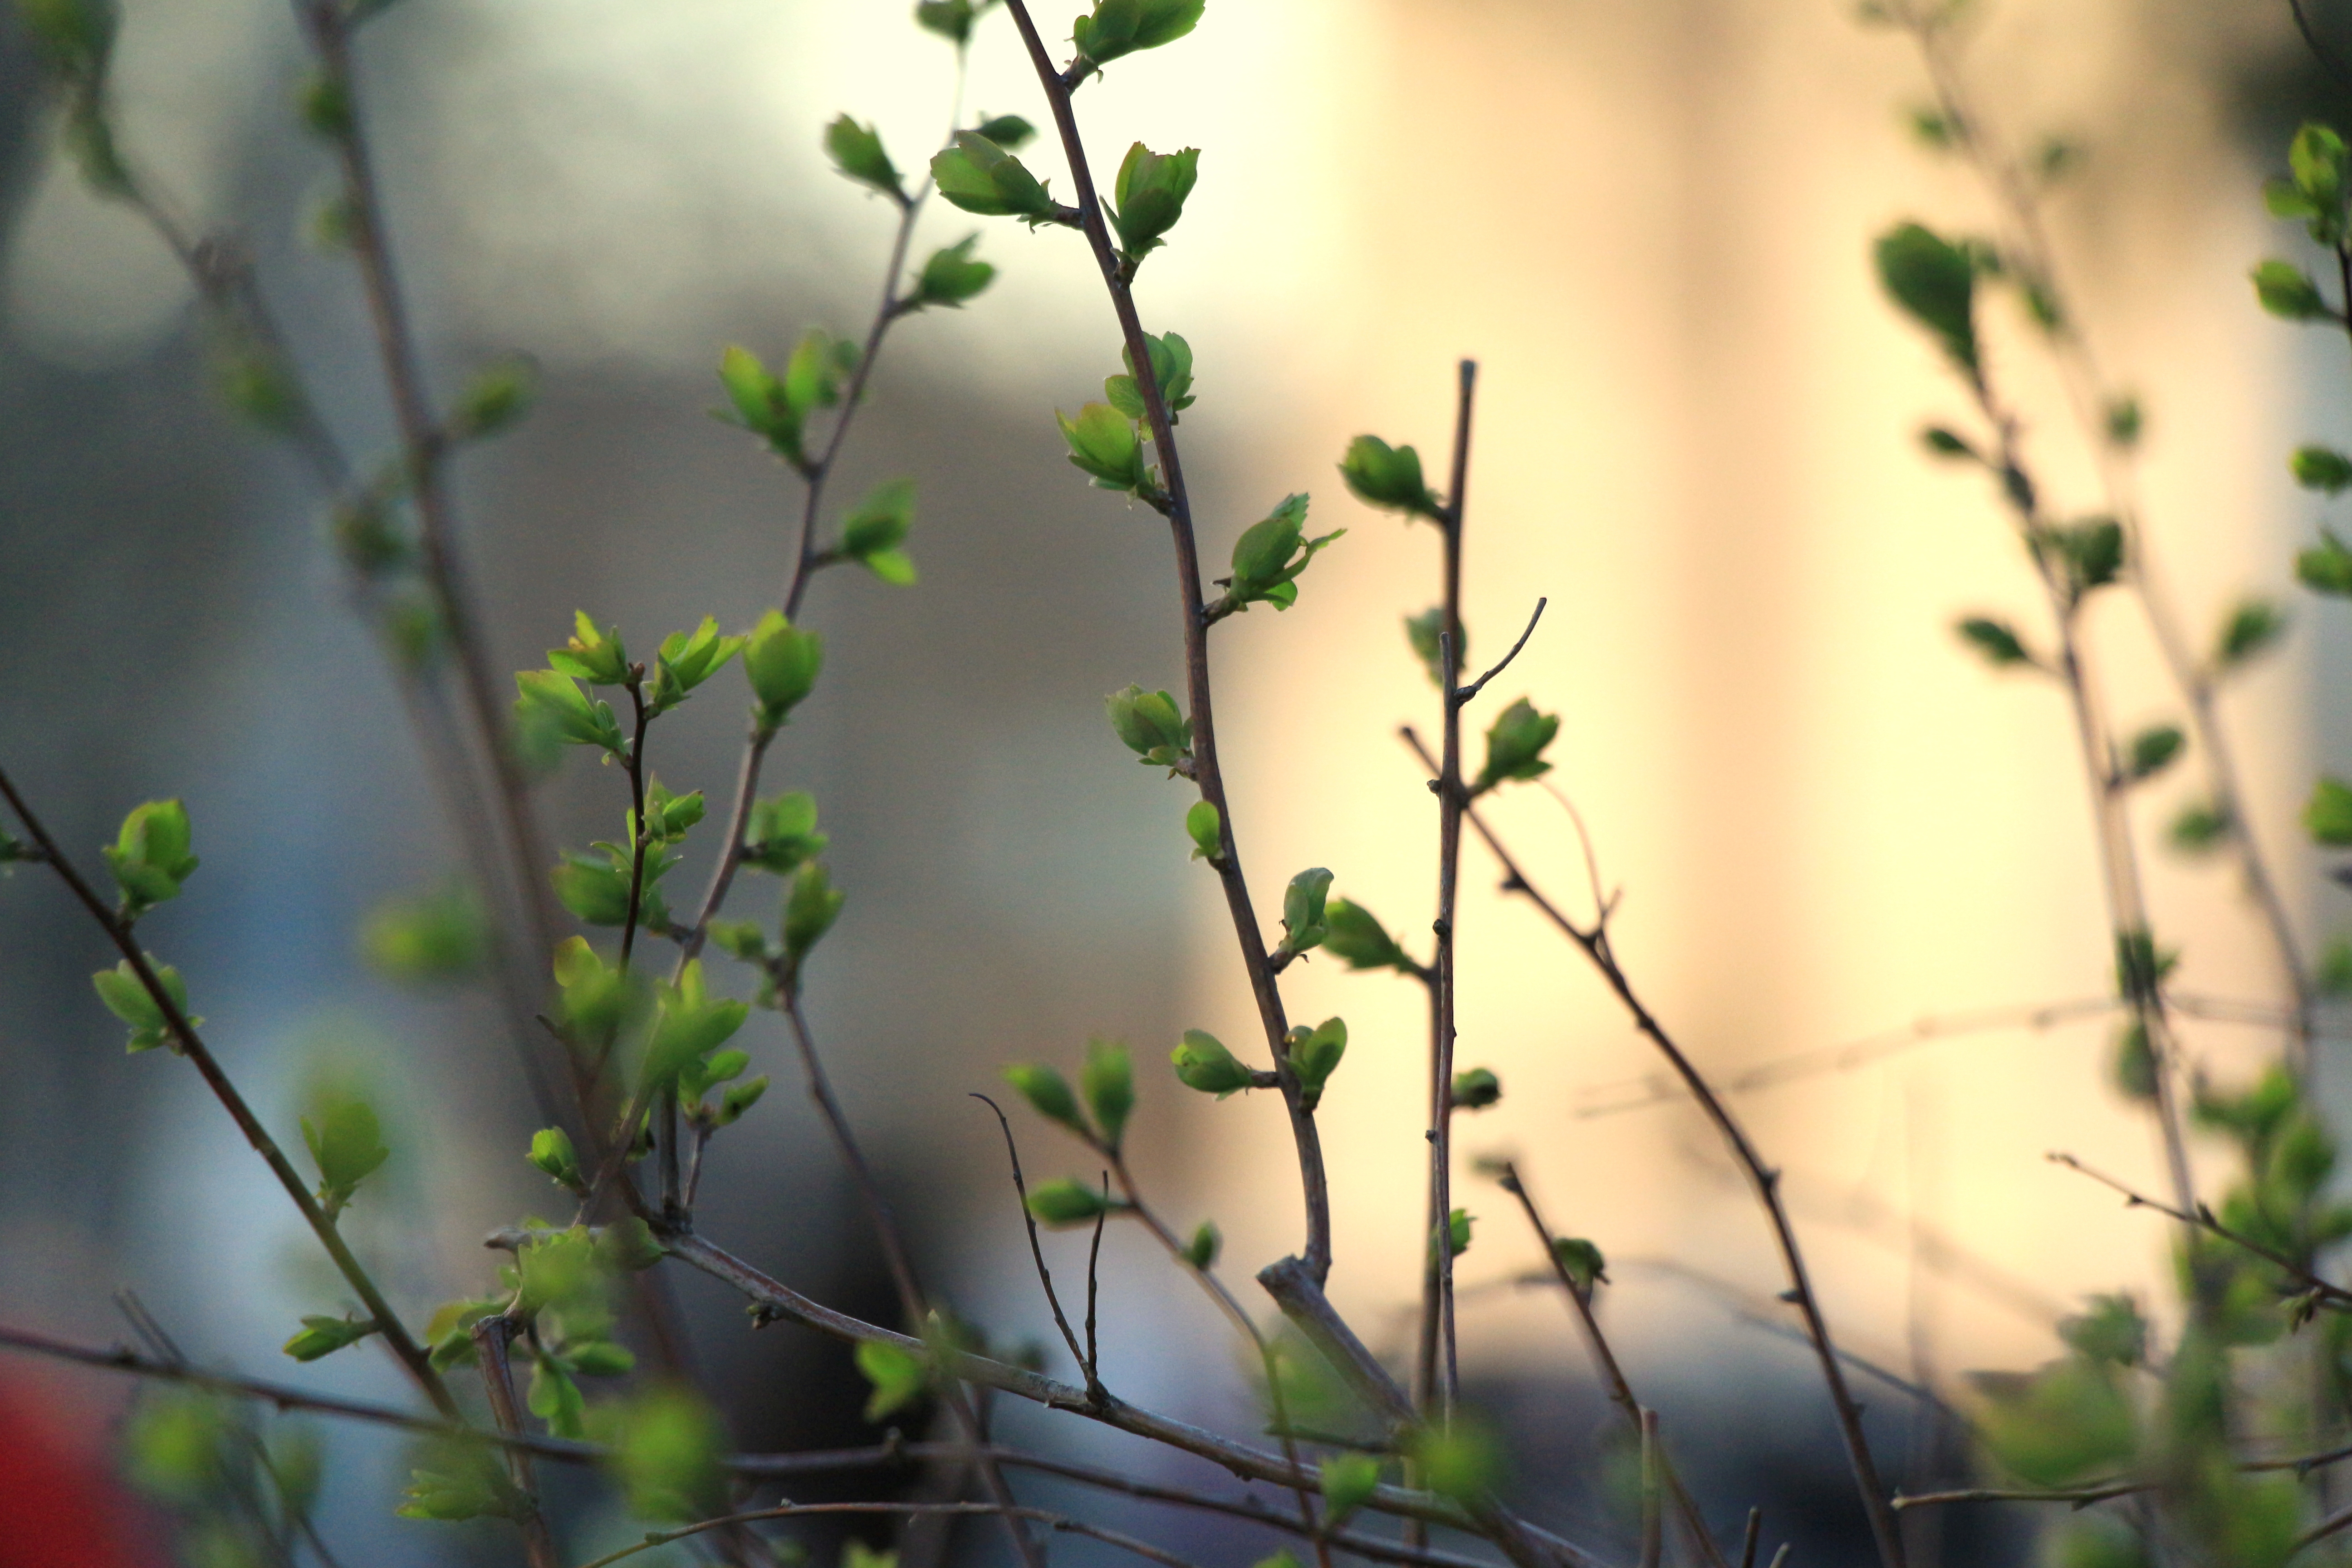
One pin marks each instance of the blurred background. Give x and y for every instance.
(1649, 223)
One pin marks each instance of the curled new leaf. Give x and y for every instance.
(1386, 476)
(1268, 558)
(782, 663)
(1303, 909)
(1515, 744)
(150, 857)
(1151, 726)
(1108, 1079)
(598, 657)
(872, 535)
(952, 275)
(980, 176)
(809, 910)
(1202, 1250)
(1151, 192)
(1171, 371)
(1048, 1094)
(1118, 27)
(1063, 1200)
(2286, 291)
(347, 1146)
(1202, 1063)
(1476, 1089)
(1354, 935)
(686, 660)
(1106, 446)
(1934, 282)
(1315, 1056)
(323, 1336)
(127, 997)
(1205, 827)
(856, 151)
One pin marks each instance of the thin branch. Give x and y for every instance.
(1653, 1535)
(1755, 1533)
(2202, 1218)
(190, 1045)
(493, 1335)
(798, 1510)
(1207, 773)
(1763, 1180)
(1037, 1250)
(2079, 1497)
(1463, 697)
(1094, 1262)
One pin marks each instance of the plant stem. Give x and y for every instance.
(1762, 1179)
(493, 1336)
(1000, 1511)
(1207, 772)
(192, 1046)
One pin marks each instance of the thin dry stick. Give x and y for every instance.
(1604, 1357)
(1765, 1182)
(2087, 391)
(1037, 1250)
(800, 1511)
(1207, 772)
(1653, 1535)
(493, 1335)
(2202, 1218)
(192, 1046)
(1439, 1382)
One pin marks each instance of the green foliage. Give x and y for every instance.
(1049, 1095)
(2327, 568)
(1202, 1062)
(1462, 1461)
(2252, 628)
(1268, 558)
(1118, 27)
(594, 1001)
(780, 835)
(689, 1023)
(1933, 281)
(2321, 469)
(1515, 745)
(872, 535)
(2152, 750)
(1150, 194)
(2088, 554)
(1315, 1056)
(783, 662)
(1476, 1089)
(686, 660)
(1354, 935)
(2067, 1422)
(981, 177)
(150, 857)
(553, 1155)
(2328, 815)
(1149, 724)
(952, 275)
(1582, 1261)
(2286, 291)
(1066, 1202)
(1348, 1479)
(127, 997)
(777, 408)
(1942, 442)
(810, 907)
(455, 1479)
(1108, 1079)
(322, 1336)
(1009, 131)
(1172, 371)
(2316, 188)
(1389, 477)
(1202, 1250)
(1106, 446)
(72, 38)
(427, 938)
(668, 1447)
(1457, 1232)
(1205, 827)
(595, 888)
(1426, 634)
(952, 19)
(2198, 827)
(857, 152)
(496, 400)
(1996, 641)
(1303, 910)
(553, 705)
(2112, 1330)
(898, 1377)
(347, 1146)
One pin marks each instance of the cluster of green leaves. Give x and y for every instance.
(232, 1487)
(777, 408)
(1267, 560)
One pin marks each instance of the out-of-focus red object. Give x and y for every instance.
(60, 1505)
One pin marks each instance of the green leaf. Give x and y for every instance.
(1315, 1056)
(552, 703)
(1462, 1461)
(598, 657)
(689, 1026)
(1476, 1089)
(1107, 1081)
(128, 998)
(2153, 750)
(1202, 1250)
(1349, 1481)
(738, 1099)
(2327, 567)
(348, 1147)
(898, 1377)
(1354, 935)
(1457, 1231)
(1048, 1094)
(950, 19)
(760, 405)
(809, 910)
(872, 533)
(2111, 1330)
(1303, 909)
(1205, 826)
(2068, 1421)
(1389, 477)
(2332, 975)
(1171, 359)
(150, 857)
(980, 176)
(457, 1479)
(496, 400)
(1933, 281)
(1996, 641)
(553, 1155)
(427, 938)
(596, 889)
(1202, 1063)
(594, 999)
(2091, 551)
(1582, 1261)
(1106, 446)
(814, 375)
(2286, 291)
(1009, 131)
(600, 1358)
(72, 38)
(687, 659)
(2321, 469)
(856, 151)
(1515, 744)
(325, 1336)
(1426, 633)
(2253, 626)
(781, 835)
(667, 1450)
(2200, 828)
(1063, 1201)
(1150, 191)
(1118, 28)
(2328, 817)
(2124, 421)
(951, 275)
(1151, 726)
(1269, 556)
(1947, 443)
(782, 663)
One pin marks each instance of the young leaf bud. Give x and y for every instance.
(1063, 1201)
(1048, 1094)
(809, 910)
(1151, 192)
(1120, 28)
(2286, 291)
(1315, 1056)
(1476, 1089)
(1204, 826)
(552, 1153)
(1354, 935)
(128, 998)
(1150, 725)
(952, 275)
(1303, 909)
(856, 151)
(347, 1146)
(1108, 1082)
(1386, 476)
(1202, 1063)
(1582, 1261)
(1515, 744)
(1202, 1250)
(980, 176)
(1348, 1481)
(324, 1336)
(1105, 447)
(150, 857)
(871, 534)
(1934, 282)
(782, 663)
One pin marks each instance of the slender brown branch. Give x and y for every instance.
(1653, 1534)
(1470, 691)
(1763, 1180)
(1037, 1250)
(190, 1045)
(1207, 772)
(493, 1336)
(2202, 1218)
(2079, 1497)
(798, 1510)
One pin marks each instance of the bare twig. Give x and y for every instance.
(2202, 1218)
(493, 1335)
(1653, 1535)
(1763, 1179)
(1037, 1250)
(798, 1510)
(1463, 696)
